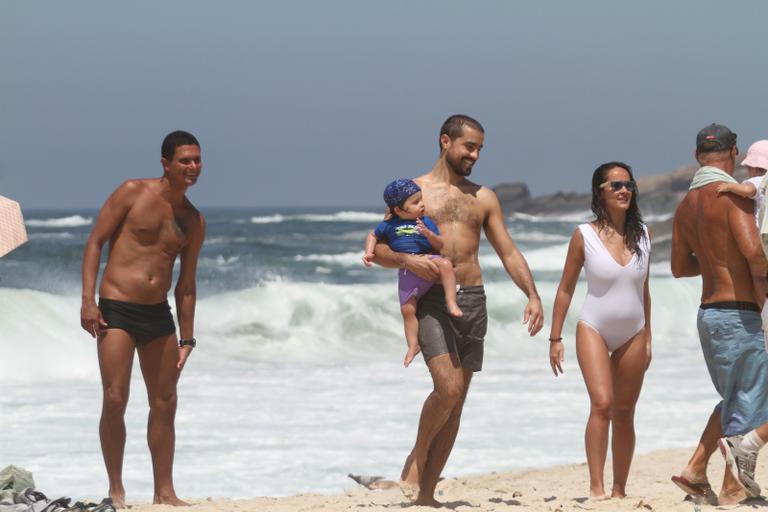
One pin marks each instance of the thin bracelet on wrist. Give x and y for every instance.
(555, 340)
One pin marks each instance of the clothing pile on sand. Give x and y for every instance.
(18, 494)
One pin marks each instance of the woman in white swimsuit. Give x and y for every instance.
(613, 335)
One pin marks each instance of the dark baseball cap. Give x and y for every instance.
(715, 137)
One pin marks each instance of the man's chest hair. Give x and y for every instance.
(455, 207)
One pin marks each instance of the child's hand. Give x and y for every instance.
(722, 189)
(368, 259)
(423, 229)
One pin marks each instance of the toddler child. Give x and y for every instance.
(406, 229)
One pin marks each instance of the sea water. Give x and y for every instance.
(297, 379)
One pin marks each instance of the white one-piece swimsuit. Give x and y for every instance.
(614, 306)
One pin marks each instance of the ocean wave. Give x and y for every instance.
(346, 259)
(546, 258)
(311, 323)
(342, 216)
(661, 217)
(570, 217)
(71, 221)
(577, 217)
(536, 236)
(550, 258)
(44, 236)
(268, 219)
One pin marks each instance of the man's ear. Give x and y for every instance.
(445, 141)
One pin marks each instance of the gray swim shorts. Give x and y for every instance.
(440, 333)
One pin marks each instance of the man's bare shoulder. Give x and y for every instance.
(428, 181)
(128, 192)
(687, 203)
(481, 191)
(486, 196)
(132, 186)
(137, 186)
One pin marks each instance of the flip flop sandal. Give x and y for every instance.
(30, 496)
(697, 490)
(105, 506)
(57, 505)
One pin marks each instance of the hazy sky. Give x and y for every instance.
(323, 102)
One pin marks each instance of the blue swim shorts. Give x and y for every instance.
(734, 350)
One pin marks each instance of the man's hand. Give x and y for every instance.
(533, 316)
(368, 259)
(422, 266)
(183, 356)
(556, 356)
(91, 320)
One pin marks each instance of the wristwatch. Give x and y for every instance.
(192, 342)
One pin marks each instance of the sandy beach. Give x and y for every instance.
(560, 488)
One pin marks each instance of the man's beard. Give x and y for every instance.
(459, 167)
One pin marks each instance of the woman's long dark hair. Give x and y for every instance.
(633, 224)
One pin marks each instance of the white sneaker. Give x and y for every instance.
(741, 463)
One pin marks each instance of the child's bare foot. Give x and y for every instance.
(412, 352)
(453, 309)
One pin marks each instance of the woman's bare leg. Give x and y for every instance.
(595, 365)
(628, 364)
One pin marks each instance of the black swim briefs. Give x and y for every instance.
(441, 333)
(145, 322)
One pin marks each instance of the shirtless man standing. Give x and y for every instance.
(716, 237)
(148, 222)
(453, 347)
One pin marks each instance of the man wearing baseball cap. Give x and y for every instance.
(715, 236)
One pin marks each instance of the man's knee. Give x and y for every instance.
(451, 393)
(115, 399)
(163, 403)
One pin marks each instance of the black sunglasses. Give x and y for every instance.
(618, 185)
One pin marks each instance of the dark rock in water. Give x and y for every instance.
(514, 196)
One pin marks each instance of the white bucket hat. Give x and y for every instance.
(757, 155)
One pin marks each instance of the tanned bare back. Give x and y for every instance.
(716, 237)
